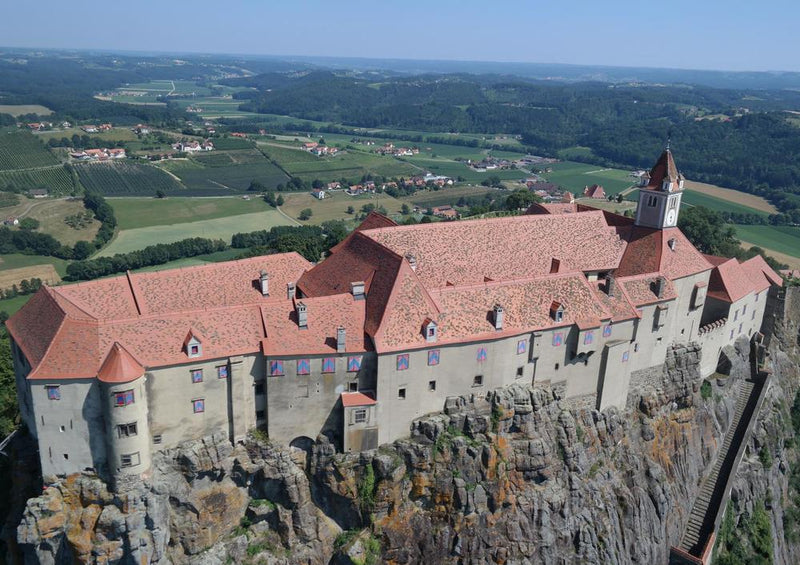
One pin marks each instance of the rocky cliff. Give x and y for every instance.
(513, 476)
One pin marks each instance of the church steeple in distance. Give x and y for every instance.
(660, 194)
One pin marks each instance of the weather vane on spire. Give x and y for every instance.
(669, 137)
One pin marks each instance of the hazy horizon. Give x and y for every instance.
(712, 36)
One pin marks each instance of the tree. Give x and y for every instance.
(82, 250)
(305, 214)
(29, 224)
(350, 210)
(279, 201)
(708, 232)
(405, 210)
(269, 198)
(160, 194)
(256, 186)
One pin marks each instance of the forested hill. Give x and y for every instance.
(738, 138)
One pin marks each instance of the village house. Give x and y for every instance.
(38, 192)
(334, 185)
(11, 221)
(90, 129)
(141, 129)
(193, 146)
(318, 193)
(594, 191)
(447, 212)
(383, 331)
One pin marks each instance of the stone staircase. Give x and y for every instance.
(706, 507)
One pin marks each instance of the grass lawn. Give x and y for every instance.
(217, 228)
(334, 207)
(135, 213)
(783, 239)
(19, 109)
(18, 260)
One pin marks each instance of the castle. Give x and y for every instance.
(396, 320)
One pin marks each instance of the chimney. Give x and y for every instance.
(611, 285)
(412, 260)
(357, 288)
(672, 243)
(264, 283)
(555, 264)
(661, 284)
(290, 290)
(302, 315)
(340, 339)
(498, 317)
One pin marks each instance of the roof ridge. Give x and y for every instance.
(210, 265)
(497, 283)
(72, 302)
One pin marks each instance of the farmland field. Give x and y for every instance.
(125, 178)
(735, 196)
(575, 176)
(20, 109)
(134, 213)
(11, 305)
(17, 260)
(455, 169)
(218, 228)
(286, 154)
(51, 214)
(783, 239)
(21, 150)
(56, 179)
(351, 165)
(693, 198)
(334, 207)
(428, 198)
(116, 134)
(45, 272)
(231, 178)
(227, 143)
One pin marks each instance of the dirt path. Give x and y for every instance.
(287, 216)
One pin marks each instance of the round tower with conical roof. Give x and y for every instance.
(122, 383)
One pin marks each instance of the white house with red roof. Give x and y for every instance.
(396, 320)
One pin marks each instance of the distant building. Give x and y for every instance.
(594, 191)
(38, 192)
(318, 193)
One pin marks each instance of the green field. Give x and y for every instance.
(694, 198)
(22, 150)
(17, 260)
(231, 178)
(125, 178)
(334, 207)
(575, 176)
(351, 165)
(287, 155)
(227, 143)
(20, 109)
(783, 239)
(11, 305)
(135, 213)
(116, 134)
(56, 179)
(218, 228)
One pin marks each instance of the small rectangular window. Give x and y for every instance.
(329, 365)
(519, 371)
(740, 328)
(195, 350)
(157, 439)
(402, 362)
(477, 380)
(744, 309)
(401, 393)
(197, 375)
(736, 315)
(753, 315)
(123, 398)
(222, 372)
(354, 363)
(276, 368)
(304, 366)
(129, 459)
(731, 334)
(352, 387)
(433, 357)
(126, 430)
(53, 392)
(198, 405)
(360, 416)
(431, 385)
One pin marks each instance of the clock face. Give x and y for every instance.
(671, 217)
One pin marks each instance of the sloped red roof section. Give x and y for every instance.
(664, 168)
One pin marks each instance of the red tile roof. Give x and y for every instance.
(552, 208)
(503, 248)
(757, 265)
(325, 315)
(731, 281)
(664, 167)
(641, 289)
(648, 251)
(356, 399)
(594, 191)
(120, 366)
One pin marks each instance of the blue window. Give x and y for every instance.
(329, 365)
(354, 363)
(197, 375)
(433, 357)
(303, 366)
(123, 398)
(222, 372)
(558, 339)
(198, 405)
(53, 392)
(402, 362)
(607, 331)
(482, 355)
(588, 339)
(625, 355)
(276, 368)
(522, 346)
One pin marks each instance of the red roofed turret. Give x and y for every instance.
(664, 175)
(120, 366)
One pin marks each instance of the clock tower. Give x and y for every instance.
(660, 199)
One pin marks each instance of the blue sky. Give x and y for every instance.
(699, 34)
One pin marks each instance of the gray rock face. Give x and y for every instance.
(512, 476)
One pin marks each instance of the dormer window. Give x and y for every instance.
(557, 311)
(430, 330)
(194, 348)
